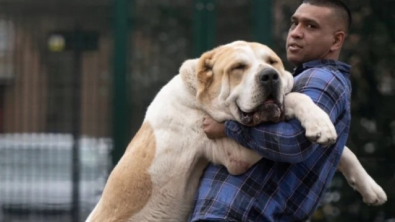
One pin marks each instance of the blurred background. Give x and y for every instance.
(76, 77)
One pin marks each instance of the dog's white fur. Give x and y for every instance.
(158, 175)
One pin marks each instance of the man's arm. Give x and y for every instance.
(286, 141)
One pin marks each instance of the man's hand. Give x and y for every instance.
(212, 128)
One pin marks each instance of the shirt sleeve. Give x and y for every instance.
(286, 141)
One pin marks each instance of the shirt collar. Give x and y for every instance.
(341, 66)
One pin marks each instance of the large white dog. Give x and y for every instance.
(158, 175)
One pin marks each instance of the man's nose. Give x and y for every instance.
(296, 32)
(268, 77)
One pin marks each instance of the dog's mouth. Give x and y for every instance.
(271, 110)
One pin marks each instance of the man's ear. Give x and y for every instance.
(205, 73)
(339, 38)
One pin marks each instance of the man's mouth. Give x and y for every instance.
(294, 47)
(269, 110)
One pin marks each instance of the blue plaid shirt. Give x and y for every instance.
(288, 183)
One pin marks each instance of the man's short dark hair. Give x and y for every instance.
(340, 8)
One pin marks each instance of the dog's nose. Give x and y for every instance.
(268, 76)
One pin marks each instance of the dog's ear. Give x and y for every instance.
(188, 68)
(289, 81)
(188, 74)
(205, 74)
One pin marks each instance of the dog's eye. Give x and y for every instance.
(272, 61)
(239, 66)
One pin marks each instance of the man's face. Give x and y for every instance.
(311, 34)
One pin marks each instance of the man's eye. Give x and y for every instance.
(310, 26)
(293, 24)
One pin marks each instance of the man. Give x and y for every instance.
(289, 182)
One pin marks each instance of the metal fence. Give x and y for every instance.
(37, 178)
(55, 140)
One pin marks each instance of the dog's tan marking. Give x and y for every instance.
(209, 84)
(205, 74)
(129, 186)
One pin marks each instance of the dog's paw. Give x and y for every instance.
(319, 128)
(371, 192)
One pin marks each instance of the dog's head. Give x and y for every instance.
(241, 81)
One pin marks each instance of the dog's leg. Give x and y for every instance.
(319, 127)
(359, 179)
